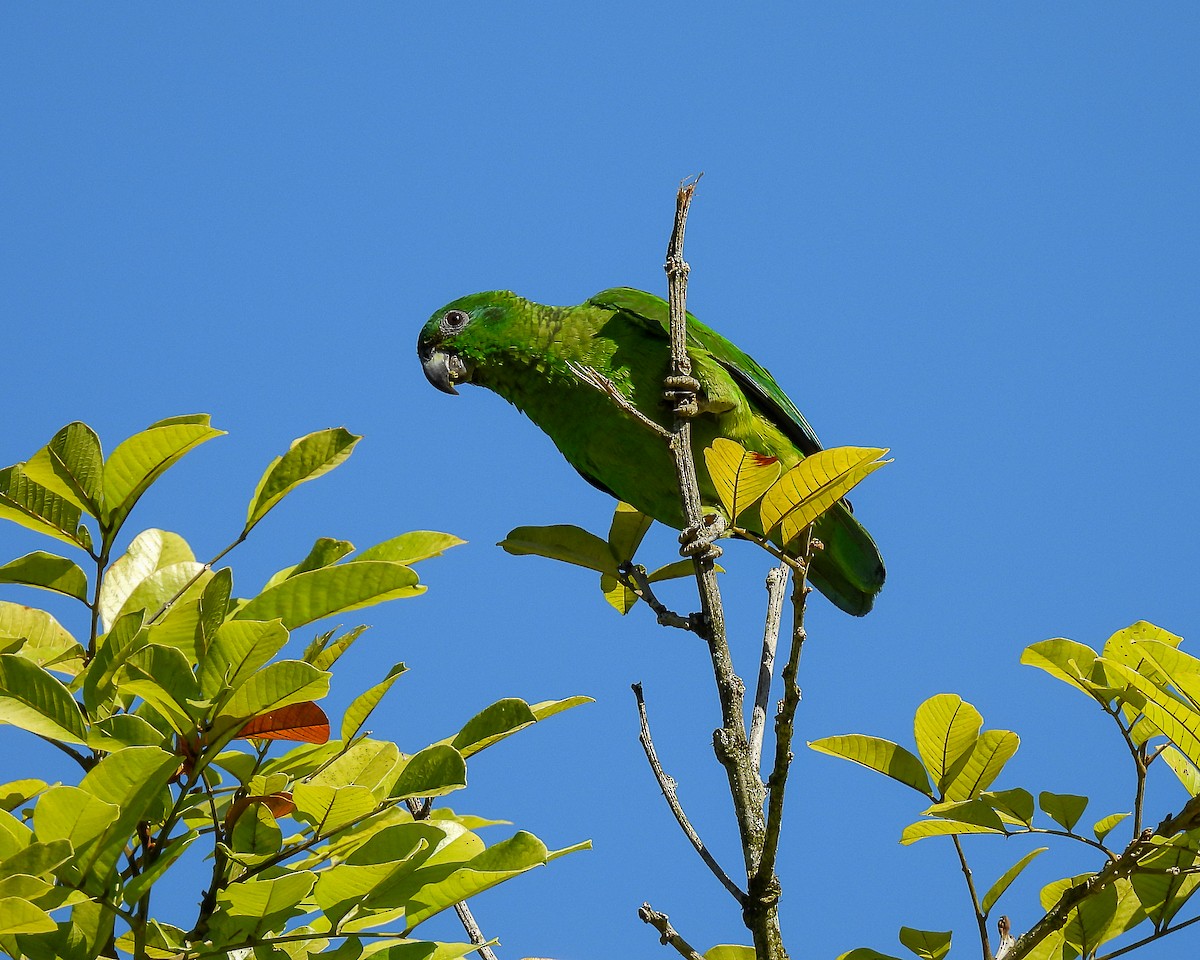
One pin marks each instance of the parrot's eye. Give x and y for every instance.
(455, 319)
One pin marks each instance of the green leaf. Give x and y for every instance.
(33, 506)
(923, 829)
(162, 676)
(251, 908)
(19, 916)
(323, 654)
(1165, 884)
(1104, 827)
(814, 485)
(277, 685)
(1016, 803)
(1183, 768)
(256, 833)
(1064, 660)
(411, 547)
(978, 812)
(361, 707)
(502, 719)
(1064, 809)
(1175, 719)
(988, 756)
(548, 708)
(563, 542)
(626, 531)
(739, 476)
(78, 817)
(926, 944)
(332, 590)
(134, 780)
(42, 640)
(432, 772)
(142, 459)
(123, 730)
(999, 888)
(729, 951)
(307, 458)
(151, 550)
(325, 552)
(327, 808)
(71, 466)
(36, 859)
(506, 859)
(16, 792)
(946, 729)
(48, 572)
(237, 650)
(369, 763)
(880, 755)
(33, 700)
(865, 953)
(112, 650)
(619, 596)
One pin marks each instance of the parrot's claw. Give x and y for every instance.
(699, 540)
(681, 393)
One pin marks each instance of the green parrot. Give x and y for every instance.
(538, 357)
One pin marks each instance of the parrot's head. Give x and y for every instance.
(463, 335)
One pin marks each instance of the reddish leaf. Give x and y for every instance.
(280, 804)
(303, 722)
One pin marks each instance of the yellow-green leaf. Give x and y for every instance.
(740, 476)
(946, 729)
(880, 755)
(564, 542)
(308, 458)
(926, 944)
(814, 485)
(998, 888)
(143, 458)
(47, 572)
(987, 758)
(331, 590)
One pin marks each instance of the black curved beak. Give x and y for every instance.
(443, 369)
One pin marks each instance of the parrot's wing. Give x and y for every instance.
(654, 315)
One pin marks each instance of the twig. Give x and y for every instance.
(776, 581)
(667, 785)
(980, 919)
(667, 935)
(785, 725)
(1145, 940)
(420, 811)
(635, 579)
(593, 378)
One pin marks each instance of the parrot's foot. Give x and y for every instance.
(681, 394)
(699, 540)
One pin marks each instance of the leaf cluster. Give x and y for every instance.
(1150, 689)
(171, 703)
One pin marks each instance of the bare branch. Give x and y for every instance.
(634, 577)
(667, 935)
(776, 582)
(667, 785)
(980, 919)
(785, 725)
(760, 913)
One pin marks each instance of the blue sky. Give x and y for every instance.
(965, 232)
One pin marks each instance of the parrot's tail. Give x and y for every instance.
(849, 570)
